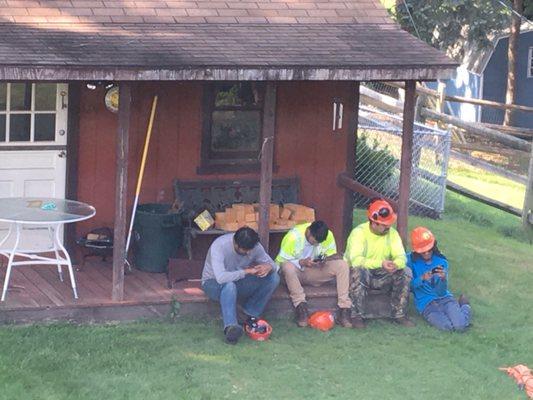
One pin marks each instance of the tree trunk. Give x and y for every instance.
(518, 7)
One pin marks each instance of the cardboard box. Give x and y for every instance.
(285, 213)
(253, 225)
(204, 220)
(231, 215)
(230, 226)
(240, 212)
(250, 217)
(274, 211)
(248, 208)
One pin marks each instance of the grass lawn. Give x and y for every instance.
(487, 184)
(490, 260)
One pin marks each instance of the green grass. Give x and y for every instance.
(188, 360)
(487, 184)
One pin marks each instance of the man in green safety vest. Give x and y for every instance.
(375, 252)
(308, 256)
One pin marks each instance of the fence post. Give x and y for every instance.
(406, 160)
(527, 211)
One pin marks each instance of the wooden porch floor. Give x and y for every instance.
(37, 295)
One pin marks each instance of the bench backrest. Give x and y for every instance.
(214, 196)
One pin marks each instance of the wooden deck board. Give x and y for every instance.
(43, 297)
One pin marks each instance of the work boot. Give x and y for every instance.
(358, 323)
(342, 317)
(404, 321)
(463, 300)
(301, 314)
(232, 334)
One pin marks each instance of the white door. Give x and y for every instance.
(33, 138)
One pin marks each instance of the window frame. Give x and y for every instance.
(213, 165)
(60, 112)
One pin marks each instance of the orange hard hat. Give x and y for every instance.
(321, 320)
(262, 333)
(422, 239)
(381, 212)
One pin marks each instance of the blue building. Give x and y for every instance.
(483, 75)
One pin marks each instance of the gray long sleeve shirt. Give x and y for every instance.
(224, 264)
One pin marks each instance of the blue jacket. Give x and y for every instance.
(427, 291)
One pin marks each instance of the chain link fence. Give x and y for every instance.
(378, 153)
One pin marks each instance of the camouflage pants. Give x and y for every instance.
(362, 279)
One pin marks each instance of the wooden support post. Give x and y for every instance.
(406, 160)
(527, 211)
(267, 155)
(351, 142)
(121, 193)
(73, 141)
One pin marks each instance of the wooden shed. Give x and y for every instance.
(291, 63)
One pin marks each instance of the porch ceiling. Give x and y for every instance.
(214, 51)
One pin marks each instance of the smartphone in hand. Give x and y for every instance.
(320, 258)
(437, 269)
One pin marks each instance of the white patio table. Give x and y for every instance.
(48, 213)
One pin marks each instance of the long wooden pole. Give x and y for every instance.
(141, 170)
(406, 157)
(267, 155)
(460, 99)
(121, 191)
(512, 50)
(527, 211)
(508, 140)
(351, 140)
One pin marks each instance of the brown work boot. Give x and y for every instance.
(404, 321)
(342, 317)
(301, 314)
(358, 323)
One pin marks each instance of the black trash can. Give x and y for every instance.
(157, 236)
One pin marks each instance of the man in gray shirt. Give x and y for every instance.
(238, 267)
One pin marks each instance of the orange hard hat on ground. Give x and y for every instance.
(381, 211)
(321, 320)
(260, 333)
(422, 239)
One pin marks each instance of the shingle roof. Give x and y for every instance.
(198, 11)
(232, 39)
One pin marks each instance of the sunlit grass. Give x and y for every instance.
(487, 184)
(188, 359)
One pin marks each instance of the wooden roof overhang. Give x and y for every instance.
(133, 52)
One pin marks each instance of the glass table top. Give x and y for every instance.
(43, 210)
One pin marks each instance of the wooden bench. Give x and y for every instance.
(196, 196)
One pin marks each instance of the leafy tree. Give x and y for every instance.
(451, 25)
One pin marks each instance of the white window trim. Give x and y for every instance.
(530, 63)
(61, 113)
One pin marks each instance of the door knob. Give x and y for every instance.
(62, 154)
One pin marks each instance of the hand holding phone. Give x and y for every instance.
(437, 269)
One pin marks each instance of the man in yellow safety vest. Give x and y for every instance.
(308, 255)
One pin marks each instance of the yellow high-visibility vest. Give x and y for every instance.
(293, 244)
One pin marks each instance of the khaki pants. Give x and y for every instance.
(336, 269)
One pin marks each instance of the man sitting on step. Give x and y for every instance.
(376, 254)
(238, 268)
(308, 255)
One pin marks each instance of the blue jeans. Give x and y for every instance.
(251, 291)
(446, 314)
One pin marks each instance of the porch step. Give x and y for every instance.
(193, 301)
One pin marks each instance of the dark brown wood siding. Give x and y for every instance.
(305, 145)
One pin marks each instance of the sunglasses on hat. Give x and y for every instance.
(382, 212)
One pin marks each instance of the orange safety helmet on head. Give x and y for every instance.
(261, 334)
(321, 320)
(422, 239)
(381, 212)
